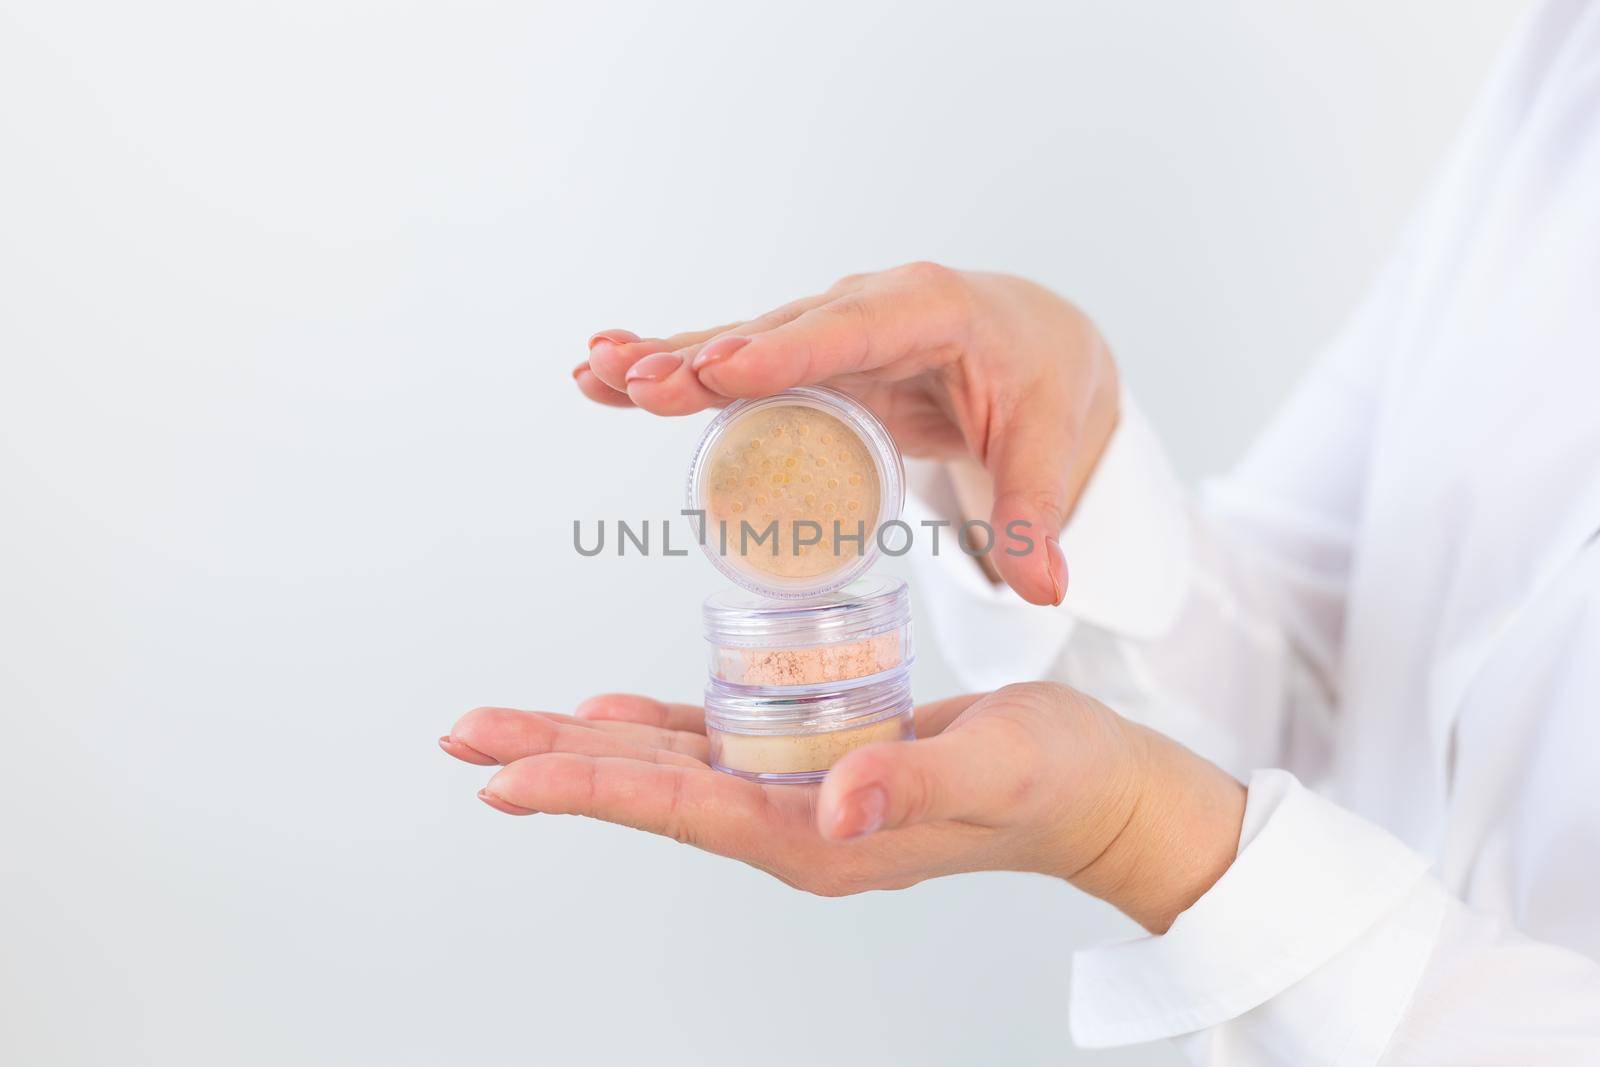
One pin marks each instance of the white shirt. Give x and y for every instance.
(1394, 605)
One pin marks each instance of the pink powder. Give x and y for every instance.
(810, 666)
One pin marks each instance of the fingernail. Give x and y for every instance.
(463, 751)
(654, 368)
(861, 813)
(501, 804)
(577, 372)
(1058, 568)
(718, 350)
(616, 337)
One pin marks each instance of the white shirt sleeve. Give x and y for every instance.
(1327, 943)
(1217, 621)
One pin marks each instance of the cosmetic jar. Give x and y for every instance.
(857, 632)
(786, 735)
(791, 490)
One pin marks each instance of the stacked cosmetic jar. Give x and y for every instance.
(810, 657)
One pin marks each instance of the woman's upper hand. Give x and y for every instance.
(957, 364)
(1034, 777)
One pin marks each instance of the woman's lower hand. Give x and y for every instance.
(1034, 777)
(957, 364)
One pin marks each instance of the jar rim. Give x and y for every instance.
(784, 710)
(864, 608)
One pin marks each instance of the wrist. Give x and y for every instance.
(1179, 834)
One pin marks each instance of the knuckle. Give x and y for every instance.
(1031, 690)
(918, 793)
(1023, 737)
(922, 268)
(676, 825)
(624, 707)
(539, 735)
(1038, 699)
(590, 707)
(850, 310)
(770, 319)
(1024, 783)
(926, 272)
(1050, 502)
(949, 303)
(1046, 503)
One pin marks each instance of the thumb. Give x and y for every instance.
(973, 773)
(1032, 456)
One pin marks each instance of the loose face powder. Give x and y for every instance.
(811, 666)
(858, 631)
(793, 488)
(796, 756)
(793, 465)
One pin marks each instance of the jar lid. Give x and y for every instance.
(746, 710)
(791, 491)
(865, 608)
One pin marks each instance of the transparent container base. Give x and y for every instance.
(775, 778)
(801, 756)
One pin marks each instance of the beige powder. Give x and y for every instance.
(801, 753)
(811, 666)
(790, 463)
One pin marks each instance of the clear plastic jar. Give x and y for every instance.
(858, 632)
(785, 735)
(793, 489)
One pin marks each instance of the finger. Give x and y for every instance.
(484, 726)
(974, 774)
(504, 735)
(663, 384)
(911, 322)
(1031, 454)
(696, 806)
(932, 719)
(612, 361)
(613, 352)
(605, 355)
(625, 707)
(666, 384)
(683, 742)
(593, 388)
(770, 320)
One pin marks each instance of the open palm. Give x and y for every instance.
(985, 787)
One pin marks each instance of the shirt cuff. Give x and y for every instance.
(1311, 880)
(1128, 558)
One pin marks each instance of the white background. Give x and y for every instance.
(288, 299)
